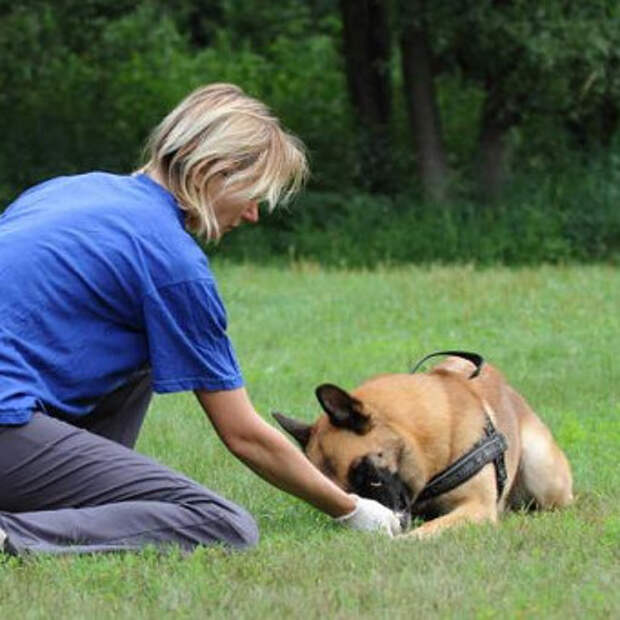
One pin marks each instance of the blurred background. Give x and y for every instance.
(482, 131)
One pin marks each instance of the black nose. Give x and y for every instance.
(378, 483)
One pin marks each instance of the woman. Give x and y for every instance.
(104, 297)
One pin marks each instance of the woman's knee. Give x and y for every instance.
(225, 522)
(246, 530)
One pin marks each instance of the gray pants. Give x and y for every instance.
(65, 489)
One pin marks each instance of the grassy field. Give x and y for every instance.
(555, 332)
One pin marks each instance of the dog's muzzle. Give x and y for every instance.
(384, 486)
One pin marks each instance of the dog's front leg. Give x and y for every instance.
(469, 512)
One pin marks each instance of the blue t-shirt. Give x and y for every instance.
(98, 278)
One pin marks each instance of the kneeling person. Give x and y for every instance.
(109, 297)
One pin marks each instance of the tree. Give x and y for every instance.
(533, 60)
(367, 51)
(420, 97)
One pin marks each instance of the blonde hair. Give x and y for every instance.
(218, 141)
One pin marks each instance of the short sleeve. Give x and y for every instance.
(188, 345)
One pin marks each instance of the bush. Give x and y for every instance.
(65, 111)
(66, 108)
(570, 217)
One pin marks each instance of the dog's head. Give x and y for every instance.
(356, 447)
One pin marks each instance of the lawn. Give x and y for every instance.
(554, 331)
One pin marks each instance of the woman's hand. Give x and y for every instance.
(370, 515)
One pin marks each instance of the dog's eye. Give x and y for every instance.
(376, 484)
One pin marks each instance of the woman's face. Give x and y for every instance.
(231, 210)
(230, 213)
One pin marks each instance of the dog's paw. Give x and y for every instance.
(422, 532)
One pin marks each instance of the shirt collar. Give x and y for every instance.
(162, 191)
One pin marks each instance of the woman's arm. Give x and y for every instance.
(267, 451)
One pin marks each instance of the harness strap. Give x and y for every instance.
(490, 448)
(499, 462)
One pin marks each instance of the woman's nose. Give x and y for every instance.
(251, 213)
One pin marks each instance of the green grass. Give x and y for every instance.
(554, 331)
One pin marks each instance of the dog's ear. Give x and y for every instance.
(300, 431)
(343, 410)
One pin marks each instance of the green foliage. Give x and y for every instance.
(94, 105)
(556, 46)
(572, 216)
(82, 84)
(91, 108)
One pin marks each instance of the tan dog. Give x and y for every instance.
(395, 433)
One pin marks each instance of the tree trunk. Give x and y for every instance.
(202, 17)
(501, 111)
(499, 115)
(491, 161)
(421, 100)
(367, 52)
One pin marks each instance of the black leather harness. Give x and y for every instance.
(489, 448)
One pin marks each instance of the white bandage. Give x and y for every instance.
(369, 515)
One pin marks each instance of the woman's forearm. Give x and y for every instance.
(279, 462)
(269, 453)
